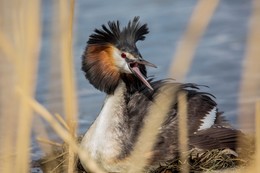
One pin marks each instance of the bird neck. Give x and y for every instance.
(104, 139)
(114, 107)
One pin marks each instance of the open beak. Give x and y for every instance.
(134, 67)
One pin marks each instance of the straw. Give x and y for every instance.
(183, 133)
(65, 16)
(250, 83)
(187, 46)
(19, 41)
(257, 136)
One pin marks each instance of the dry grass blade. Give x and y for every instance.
(50, 119)
(250, 83)
(257, 136)
(19, 40)
(61, 120)
(7, 47)
(56, 157)
(65, 17)
(183, 134)
(67, 65)
(47, 141)
(199, 20)
(58, 166)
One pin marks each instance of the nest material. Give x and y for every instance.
(197, 161)
(56, 162)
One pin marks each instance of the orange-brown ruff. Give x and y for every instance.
(99, 56)
(113, 64)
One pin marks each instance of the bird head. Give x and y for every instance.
(111, 55)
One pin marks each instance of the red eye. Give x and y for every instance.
(123, 55)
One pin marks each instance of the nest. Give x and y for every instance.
(196, 160)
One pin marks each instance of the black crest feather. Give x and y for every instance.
(112, 34)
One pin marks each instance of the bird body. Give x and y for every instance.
(113, 64)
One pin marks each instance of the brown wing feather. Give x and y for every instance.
(217, 137)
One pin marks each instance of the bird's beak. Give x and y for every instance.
(133, 65)
(144, 62)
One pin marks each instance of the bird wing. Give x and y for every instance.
(202, 110)
(216, 137)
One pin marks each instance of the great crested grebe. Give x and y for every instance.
(113, 64)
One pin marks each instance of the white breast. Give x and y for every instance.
(101, 140)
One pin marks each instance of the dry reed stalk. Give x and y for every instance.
(65, 15)
(254, 165)
(7, 120)
(20, 44)
(27, 69)
(6, 46)
(152, 123)
(250, 83)
(183, 134)
(62, 121)
(49, 142)
(257, 137)
(7, 111)
(185, 51)
(7, 96)
(182, 61)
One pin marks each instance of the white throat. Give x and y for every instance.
(102, 139)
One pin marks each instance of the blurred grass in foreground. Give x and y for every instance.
(19, 43)
(19, 50)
